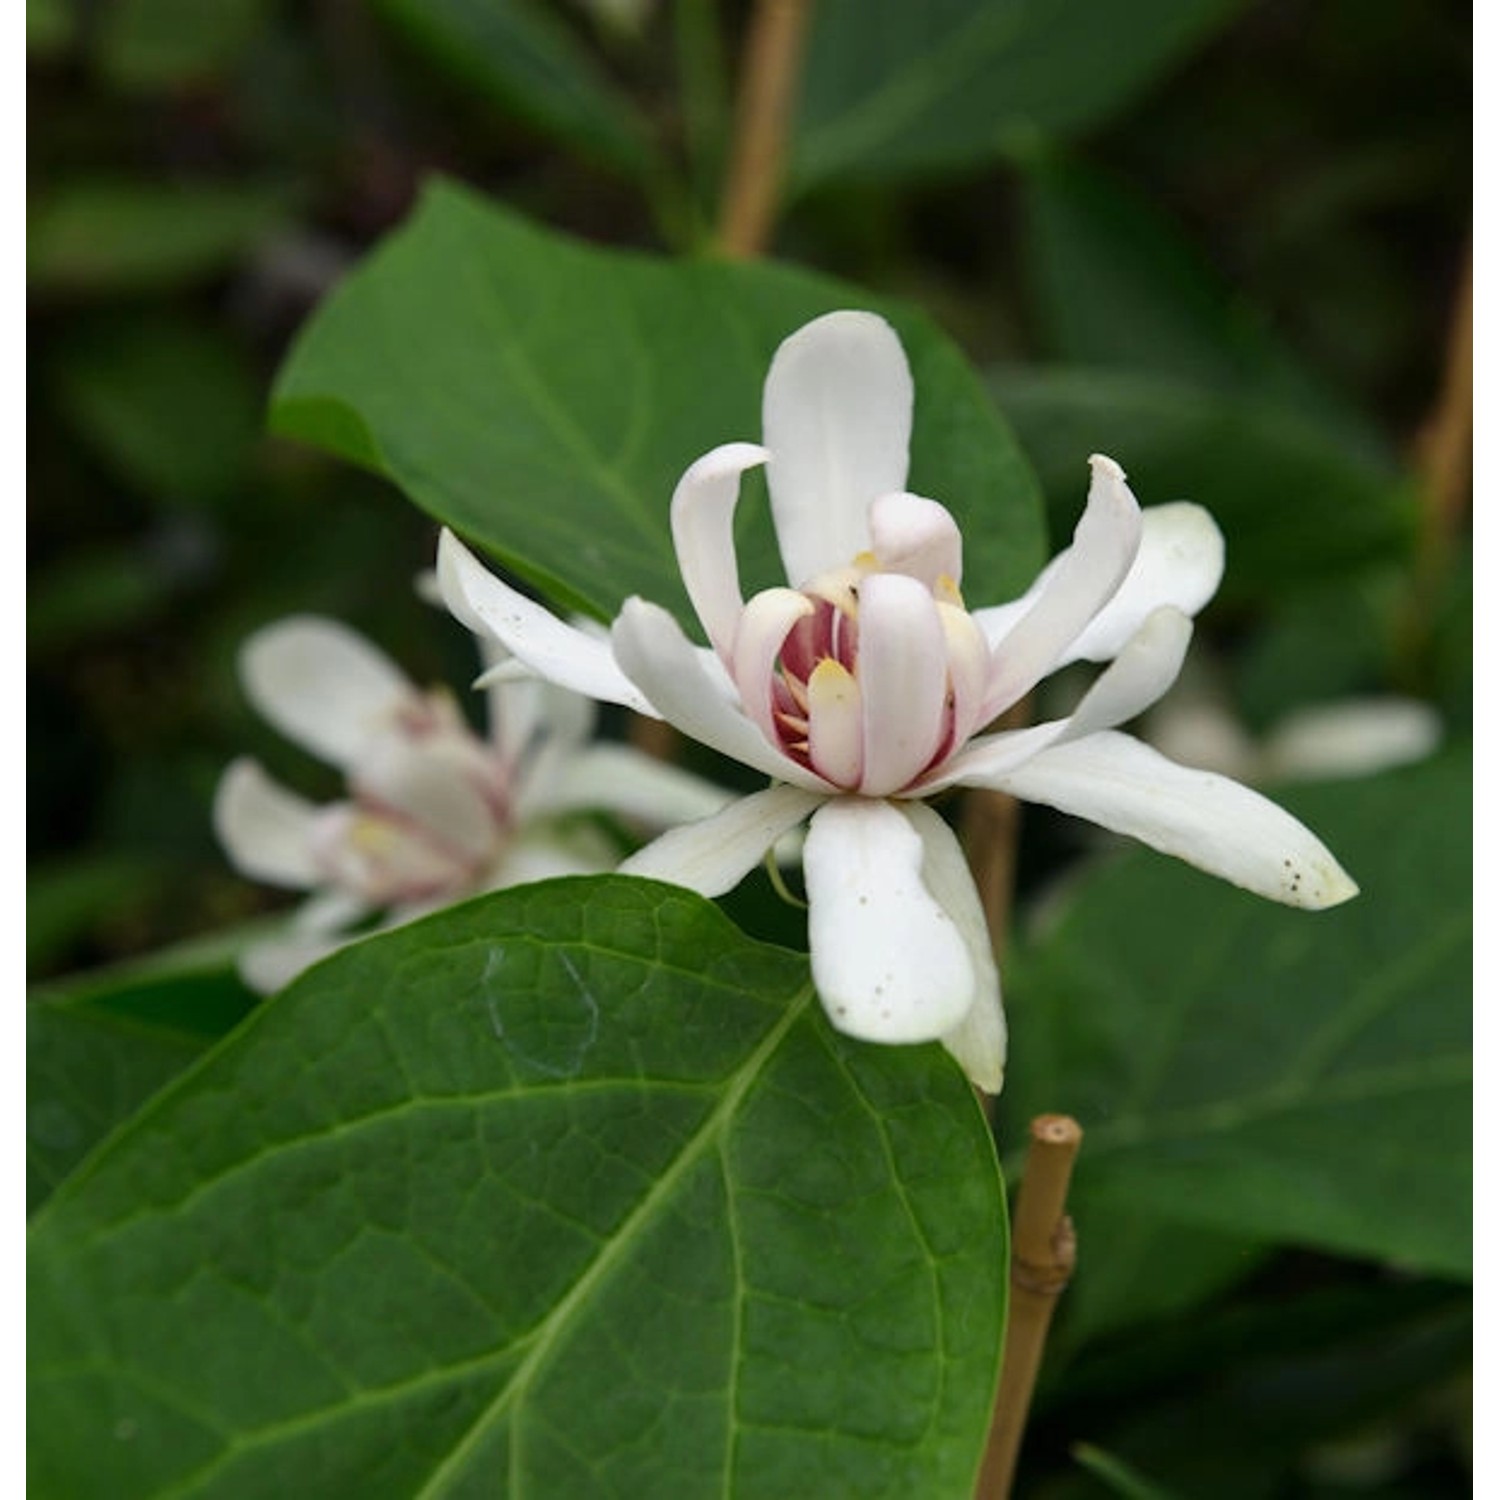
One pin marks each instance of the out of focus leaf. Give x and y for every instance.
(121, 236)
(108, 588)
(544, 397)
(523, 57)
(50, 26)
(1226, 1404)
(65, 897)
(1297, 506)
(1117, 1477)
(892, 89)
(568, 1190)
(154, 44)
(1291, 1076)
(171, 405)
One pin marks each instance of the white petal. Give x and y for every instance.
(267, 831)
(978, 1041)
(991, 756)
(322, 684)
(903, 680)
(764, 626)
(917, 537)
(714, 855)
(620, 779)
(544, 854)
(1180, 562)
(968, 669)
(836, 415)
(1354, 738)
(835, 723)
(1138, 676)
(650, 646)
(1208, 820)
(1077, 585)
(444, 785)
(703, 534)
(273, 963)
(890, 964)
(561, 653)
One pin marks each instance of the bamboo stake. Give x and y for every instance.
(768, 91)
(1043, 1250)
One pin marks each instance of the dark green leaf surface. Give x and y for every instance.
(99, 1044)
(892, 89)
(164, 44)
(568, 1191)
(524, 58)
(1292, 1076)
(1297, 506)
(544, 397)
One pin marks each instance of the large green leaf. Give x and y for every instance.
(893, 89)
(1297, 506)
(99, 1044)
(568, 1191)
(526, 59)
(543, 397)
(1295, 1077)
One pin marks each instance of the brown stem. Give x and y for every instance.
(1043, 1250)
(990, 831)
(767, 93)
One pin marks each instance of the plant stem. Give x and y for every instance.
(990, 833)
(768, 89)
(1043, 1250)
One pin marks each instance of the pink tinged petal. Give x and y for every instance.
(541, 642)
(381, 857)
(322, 685)
(978, 1041)
(889, 962)
(836, 416)
(764, 626)
(1081, 582)
(267, 831)
(1146, 667)
(1180, 562)
(703, 534)
(903, 680)
(968, 669)
(1208, 820)
(619, 779)
(917, 537)
(650, 646)
(835, 723)
(714, 855)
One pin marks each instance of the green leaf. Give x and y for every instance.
(1294, 1077)
(163, 44)
(571, 1190)
(1296, 505)
(98, 1045)
(50, 27)
(544, 397)
(523, 58)
(170, 404)
(120, 236)
(892, 89)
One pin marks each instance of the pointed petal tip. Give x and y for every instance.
(1104, 467)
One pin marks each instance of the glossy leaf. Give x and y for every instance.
(1296, 505)
(1294, 1077)
(892, 89)
(570, 1190)
(523, 57)
(544, 397)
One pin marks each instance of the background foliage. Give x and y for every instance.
(1221, 242)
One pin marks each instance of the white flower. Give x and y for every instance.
(434, 813)
(860, 691)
